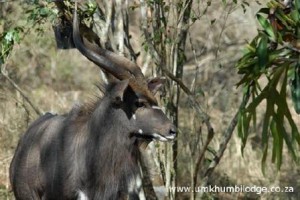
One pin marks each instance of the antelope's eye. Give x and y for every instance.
(140, 104)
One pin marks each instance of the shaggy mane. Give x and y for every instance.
(82, 112)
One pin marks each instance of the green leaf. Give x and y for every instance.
(275, 139)
(252, 106)
(262, 52)
(251, 48)
(7, 41)
(246, 124)
(264, 11)
(275, 54)
(239, 125)
(278, 123)
(243, 127)
(267, 27)
(247, 64)
(297, 5)
(284, 108)
(286, 137)
(277, 144)
(44, 12)
(266, 121)
(295, 15)
(286, 18)
(244, 80)
(264, 158)
(295, 89)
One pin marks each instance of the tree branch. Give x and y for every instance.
(5, 75)
(226, 137)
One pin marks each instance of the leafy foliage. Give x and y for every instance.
(7, 41)
(274, 54)
(37, 14)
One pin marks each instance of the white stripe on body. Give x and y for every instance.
(82, 196)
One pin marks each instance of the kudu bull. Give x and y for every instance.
(92, 152)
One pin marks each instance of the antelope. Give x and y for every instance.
(92, 152)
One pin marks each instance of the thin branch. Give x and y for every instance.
(144, 27)
(127, 35)
(223, 29)
(201, 113)
(291, 47)
(226, 137)
(193, 84)
(119, 20)
(5, 75)
(191, 98)
(177, 80)
(209, 138)
(103, 25)
(205, 117)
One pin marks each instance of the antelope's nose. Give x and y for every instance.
(172, 131)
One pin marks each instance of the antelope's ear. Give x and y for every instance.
(154, 84)
(119, 90)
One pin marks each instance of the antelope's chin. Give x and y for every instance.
(156, 136)
(163, 138)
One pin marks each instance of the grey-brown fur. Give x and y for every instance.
(93, 150)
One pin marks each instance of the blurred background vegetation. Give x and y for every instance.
(36, 77)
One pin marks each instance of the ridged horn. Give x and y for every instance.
(116, 65)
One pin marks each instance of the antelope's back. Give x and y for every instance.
(26, 175)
